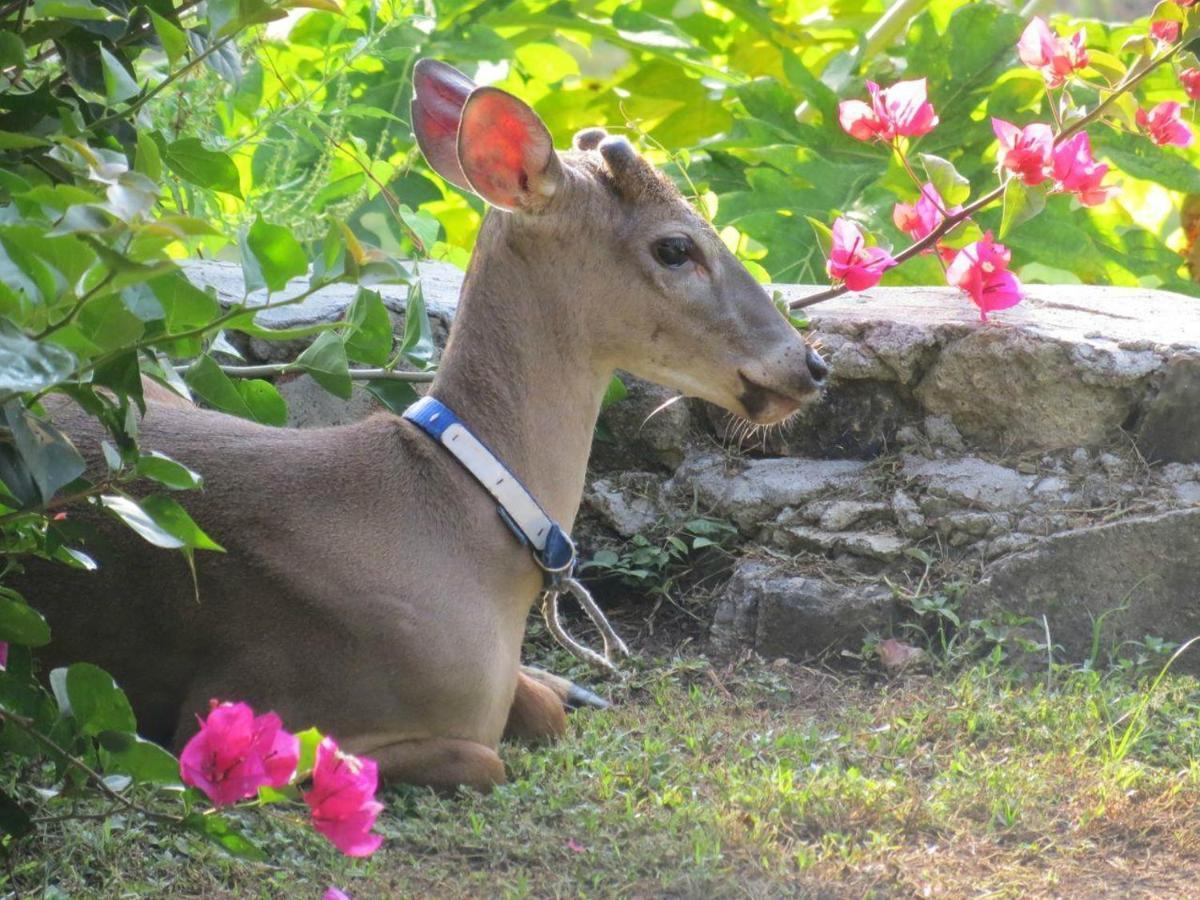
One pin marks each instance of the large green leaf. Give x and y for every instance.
(47, 454)
(20, 623)
(1144, 159)
(97, 704)
(256, 400)
(369, 334)
(193, 162)
(29, 365)
(271, 256)
(325, 360)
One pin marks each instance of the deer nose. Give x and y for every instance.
(818, 369)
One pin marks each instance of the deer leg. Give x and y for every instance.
(538, 712)
(572, 695)
(443, 764)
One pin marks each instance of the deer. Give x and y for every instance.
(368, 586)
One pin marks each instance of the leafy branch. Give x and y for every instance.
(950, 222)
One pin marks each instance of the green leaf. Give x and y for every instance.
(954, 188)
(272, 255)
(148, 159)
(129, 512)
(14, 820)
(225, 835)
(12, 50)
(20, 623)
(119, 85)
(417, 343)
(369, 334)
(309, 738)
(175, 521)
(158, 467)
(29, 365)
(266, 404)
(193, 162)
(71, 9)
(1146, 160)
(395, 395)
(614, 393)
(823, 233)
(143, 761)
(325, 360)
(1021, 203)
(97, 704)
(255, 400)
(173, 40)
(48, 455)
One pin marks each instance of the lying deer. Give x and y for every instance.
(369, 587)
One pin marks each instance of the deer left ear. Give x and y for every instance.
(439, 93)
(506, 151)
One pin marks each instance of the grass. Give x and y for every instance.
(755, 781)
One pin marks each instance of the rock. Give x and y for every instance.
(1069, 365)
(759, 489)
(942, 433)
(970, 481)
(1112, 464)
(311, 406)
(1141, 574)
(778, 613)
(1188, 492)
(1005, 544)
(865, 544)
(1170, 429)
(972, 526)
(651, 424)
(621, 502)
(840, 515)
(908, 516)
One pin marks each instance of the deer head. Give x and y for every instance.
(654, 289)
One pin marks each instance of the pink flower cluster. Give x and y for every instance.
(981, 269)
(903, 110)
(3, 655)
(918, 220)
(1031, 154)
(1163, 124)
(852, 261)
(236, 752)
(1057, 59)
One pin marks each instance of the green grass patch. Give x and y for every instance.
(755, 781)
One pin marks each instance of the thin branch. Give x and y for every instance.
(949, 223)
(269, 370)
(27, 727)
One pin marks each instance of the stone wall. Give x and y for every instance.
(1045, 466)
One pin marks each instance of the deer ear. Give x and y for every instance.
(506, 152)
(439, 92)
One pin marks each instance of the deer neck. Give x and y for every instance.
(518, 372)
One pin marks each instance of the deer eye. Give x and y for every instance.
(673, 252)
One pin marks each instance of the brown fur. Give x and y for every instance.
(369, 586)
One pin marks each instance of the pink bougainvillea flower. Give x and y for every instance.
(335, 894)
(342, 799)
(918, 219)
(1164, 126)
(235, 753)
(902, 110)
(3, 655)
(1190, 79)
(981, 269)
(1165, 31)
(1077, 172)
(1025, 151)
(1041, 48)
(852, 261)
(1186, 2)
